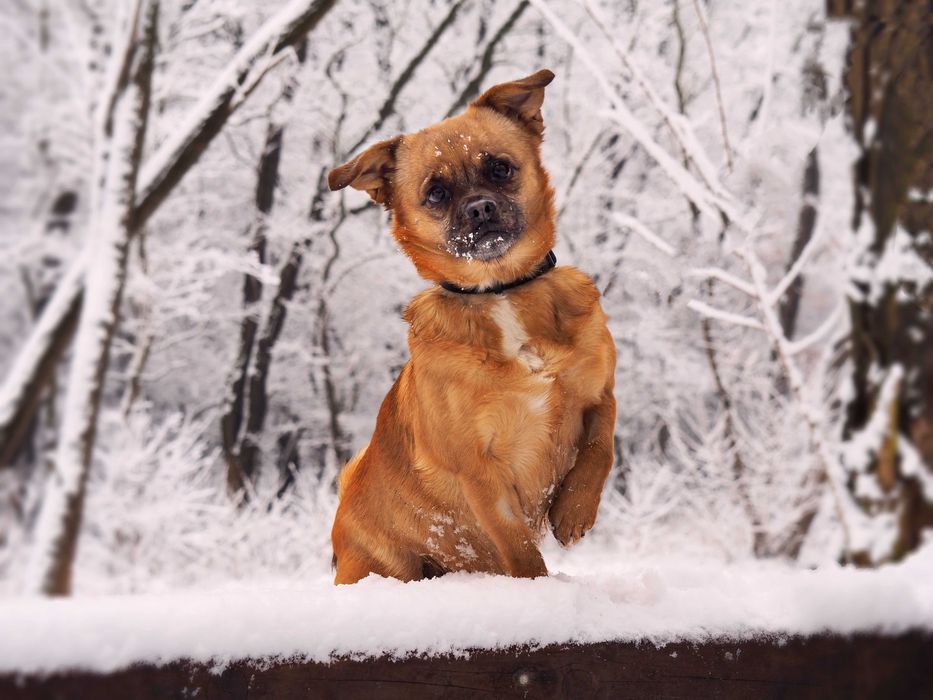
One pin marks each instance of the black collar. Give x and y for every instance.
(550, 260)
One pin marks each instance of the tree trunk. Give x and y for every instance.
(890, 60)
(35, 366)
(760, 544)
(231, 422)
(241, 451)
(123, 128)
(806, 223)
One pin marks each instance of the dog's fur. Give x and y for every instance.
(504, 415)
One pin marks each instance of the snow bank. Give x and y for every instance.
(657, 603)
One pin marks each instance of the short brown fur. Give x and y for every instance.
(503, 418)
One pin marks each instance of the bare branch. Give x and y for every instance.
(704, 28)
(630, 222)
(705, 309)
(828, 324)
(723, 276)
(778, 291)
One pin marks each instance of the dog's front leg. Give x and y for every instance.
(500, 516)
(573, 511)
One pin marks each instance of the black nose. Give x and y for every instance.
(480, 211)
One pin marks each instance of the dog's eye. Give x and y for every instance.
(437, 194)
(500, 171)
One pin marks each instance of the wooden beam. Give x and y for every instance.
(822, 667)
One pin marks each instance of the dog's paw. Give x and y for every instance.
(572, 515)
(529, 567)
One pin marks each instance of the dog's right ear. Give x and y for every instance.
(371, 171)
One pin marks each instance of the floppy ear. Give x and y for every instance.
(371, 171)
(519, 100)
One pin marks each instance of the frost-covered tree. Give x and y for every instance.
(120, 119)
(889, 410)
(124, 195)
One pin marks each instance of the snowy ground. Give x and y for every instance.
(591, 599)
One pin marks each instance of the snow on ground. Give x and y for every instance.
(656, 601)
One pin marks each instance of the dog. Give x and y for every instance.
(502, 420)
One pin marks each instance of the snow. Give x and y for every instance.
(912, 466)
(605, 598)
(859, 448)
(898, 265)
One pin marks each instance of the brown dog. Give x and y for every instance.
(505, 412)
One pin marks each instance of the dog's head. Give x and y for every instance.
(470, 200)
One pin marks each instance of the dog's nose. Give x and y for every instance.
(480, 211)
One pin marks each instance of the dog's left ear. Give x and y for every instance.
(370, 171)
(519, 100)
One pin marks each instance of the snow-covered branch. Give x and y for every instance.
(21, 389)
(704, 27)
(817, 334)
(678, 125)
(706, 201)
(712, 312)
(182, 149)
(721, 275)
(630, 222)
(780, 289)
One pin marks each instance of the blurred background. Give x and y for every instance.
(196, 334)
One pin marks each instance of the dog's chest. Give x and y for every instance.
(537, 421)
(515, 340)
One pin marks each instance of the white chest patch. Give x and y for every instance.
(514, 337)
(513, 332)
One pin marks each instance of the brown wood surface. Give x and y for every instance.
(865, 666)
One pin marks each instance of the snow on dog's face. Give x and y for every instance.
(470, 200)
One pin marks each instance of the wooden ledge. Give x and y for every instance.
(863, 666)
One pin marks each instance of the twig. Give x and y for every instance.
(704, 27)
(723, 276)
(794, 272)
(647, 234)
(705, 309)
(760, 540)
(818, 333)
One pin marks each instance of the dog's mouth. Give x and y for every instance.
(482, 244)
